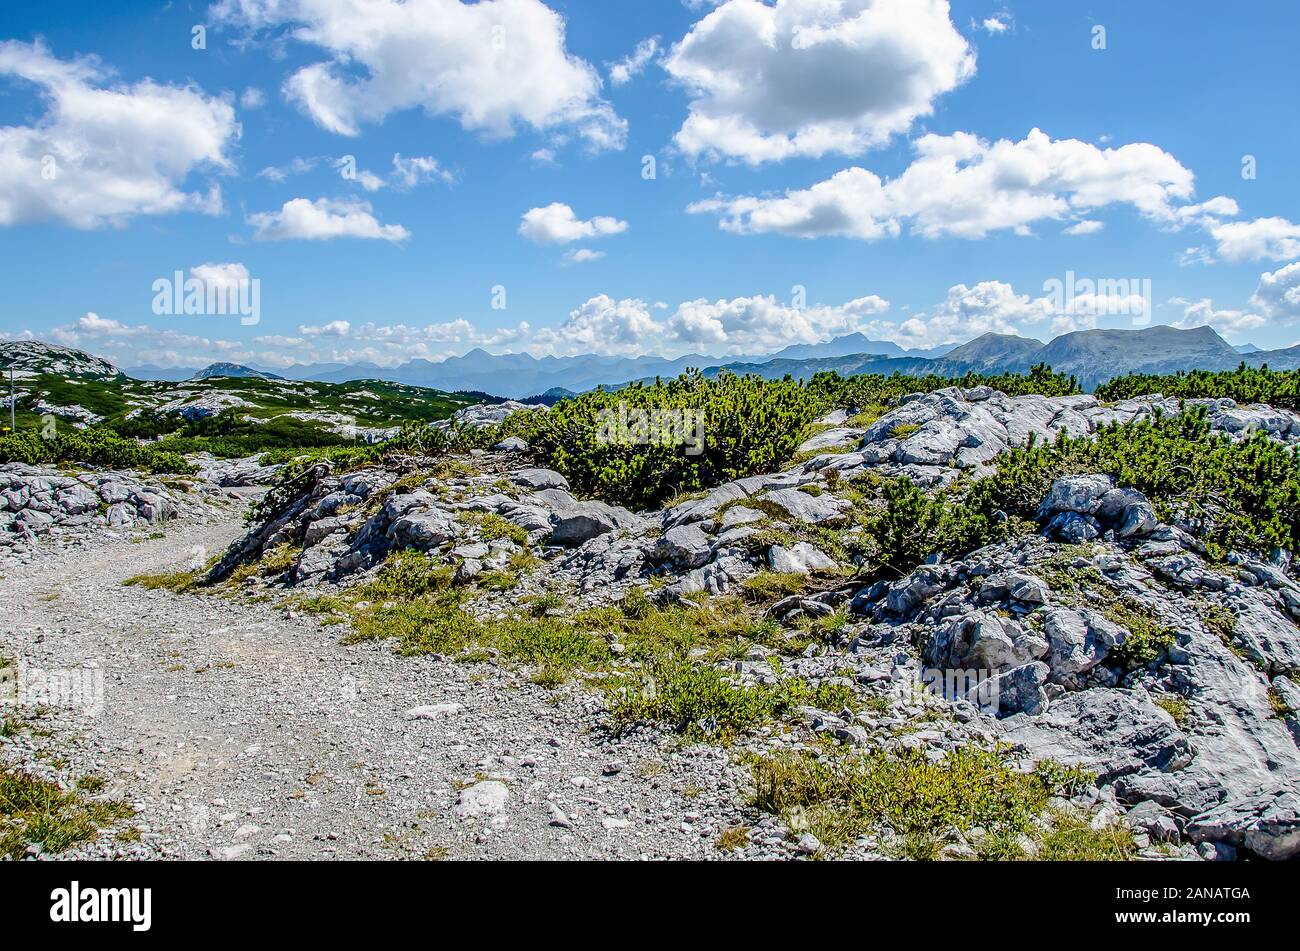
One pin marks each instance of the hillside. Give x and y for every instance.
(995, 352)
(27, 357)
(248, 412)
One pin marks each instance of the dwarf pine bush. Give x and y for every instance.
(1235, 495)
(1244, 384)
(100, 448)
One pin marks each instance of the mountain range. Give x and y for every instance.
(1093, 356)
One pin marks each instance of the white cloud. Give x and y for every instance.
(1086, 226)
(557, 224)
(1271, 239)
(413, 171)
(811, 77)
(321, 220)
(101, 154)
(493, 65)
(223, 276)
(995, 24)
(582, 255)
(407, 172)
(962, 186)
(1229, 323)
(758, 325)
(252, 98)
(626, 69)
(1278, 295)
(748, 326)
(966, 312)
(335, 328)
(297, 166)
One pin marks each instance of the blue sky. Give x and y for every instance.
(876, 154)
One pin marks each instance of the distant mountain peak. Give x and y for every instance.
(233, 369)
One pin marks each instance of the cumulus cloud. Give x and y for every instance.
(252, 98)
(810, 77)
(742, 326)
(335, 328)
(1263, 239)
(630, 66)
(1278, 295)
(1229, 323)
(101, 153)
(717, 328)
(557, 224)
(966, 312)
(582, 255)
(962, 186)
(321, 220)
(996, 24)
(222, 276)
(493, 65)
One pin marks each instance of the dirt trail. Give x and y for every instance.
(238, 732)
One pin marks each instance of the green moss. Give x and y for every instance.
(1071, 838)
(1280, 707)
(497, 581)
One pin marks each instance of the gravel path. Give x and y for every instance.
(238, 732)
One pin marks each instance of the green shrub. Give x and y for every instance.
(1243, 495)
(100, 448)
(870, 392)
(750, 425)
(1244, 384)
(1234, 495)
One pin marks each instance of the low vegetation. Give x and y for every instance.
(750, 425)
(1244, 385)
(1234, 495)
(976, 795)
(37, 811)
(97, 448)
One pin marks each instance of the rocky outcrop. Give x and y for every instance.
(931, 437)
(42, 503)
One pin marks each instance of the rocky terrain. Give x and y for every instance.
(1103, 640)
(44, 504)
